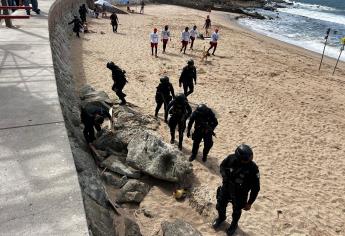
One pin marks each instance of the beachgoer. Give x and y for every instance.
(240, 175)
(180, 110)
(193, 34)
(164, 94)
(114, 21)
(154, 38)
(185, 36)
(214, 41)
(205, 123)
(207, 25)
(82, 13)
(77, 25)
(187, 76)
(165, 37)
(92, 116)
(34, 4)
(119, 78)
(142, 3)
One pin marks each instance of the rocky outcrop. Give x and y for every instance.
(133, 191)
(179, 228)
(115, 165)
(148, 153)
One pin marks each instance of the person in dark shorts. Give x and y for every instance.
(154, 38)
(214, 41)
(165, 37)
(114, 21)
(193, 34)
(185, 36)
(207, 25)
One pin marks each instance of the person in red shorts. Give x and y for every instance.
(214, 41)
(193, 34)
(165, 37)
(185, 39)
(154, 37)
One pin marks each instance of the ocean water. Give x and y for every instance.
(304, 23)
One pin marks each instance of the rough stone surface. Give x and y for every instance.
(133, 191)
(203, 200)
(114, 164)
(113, 180)
(93, 187)
(131, 227)
(179, 228)
(82, 159)
(99, 218)
(148, 153)
(109, 141)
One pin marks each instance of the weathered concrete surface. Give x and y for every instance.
(39, 190)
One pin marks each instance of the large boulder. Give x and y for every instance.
(133, 191)
(149, 154)
(131, 227)
(92, 186)
(108, 140)
(114, 164)
(179, 228)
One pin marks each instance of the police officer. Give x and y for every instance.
(164, 89)
(205, 123)
(240, 175)
(187, 76)
(119, 78)
(92, 116)
(82, 13)
(180, 110)
(77, 25)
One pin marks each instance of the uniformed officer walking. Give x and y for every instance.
(187, 76)
(205, 123)
(240, 176)
(119, 78)
(180, 110)
(164, 94)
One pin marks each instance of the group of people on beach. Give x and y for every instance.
(241, 178)
(187, 37)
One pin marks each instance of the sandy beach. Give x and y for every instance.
(265, 93)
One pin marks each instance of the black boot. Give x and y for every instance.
(192, 157)
(204, 158)
(217, 222)
(232, 229)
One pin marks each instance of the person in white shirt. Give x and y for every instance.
(154, 37)
(214, 41)
(185, 39)
(165, 37)
(193, 34)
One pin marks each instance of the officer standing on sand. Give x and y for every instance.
(205, 123)
(240, 175)
(119, 78)
(164, 89)
(187, 76)
(180, 110)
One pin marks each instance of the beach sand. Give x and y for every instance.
(266, 93)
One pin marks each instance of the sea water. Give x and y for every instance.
(304, 23)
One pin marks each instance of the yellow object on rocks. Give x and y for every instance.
(180, 194)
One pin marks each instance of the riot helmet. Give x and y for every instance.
(244, 153)
(190, 62)
(164, 79)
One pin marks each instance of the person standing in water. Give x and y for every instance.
(165, 37)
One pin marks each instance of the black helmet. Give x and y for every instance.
(110, 64)
(202, 108)
(180, 98)
(244, 152)
(164, 79)
(190, 62)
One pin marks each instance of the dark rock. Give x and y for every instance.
(109, 140)
(133, 191)
(131, 228)
(148, 153)
(92, 186)
(114, 164)
(99, 219)
(179, 228)
(82, 159)
(113, 180)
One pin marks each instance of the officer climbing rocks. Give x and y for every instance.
(119, 78)
(164, 94)
(240, 175)
(77, 25)
(205, 123)
(187, 76)
(180, 110)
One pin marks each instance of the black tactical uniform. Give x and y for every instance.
(114, 21)
(240, 175)
(187, 76)
(180, 110)
(205, 123)
(119, 78)
(92, 116)
(164, 89)
(82, 13)
(77, 25)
